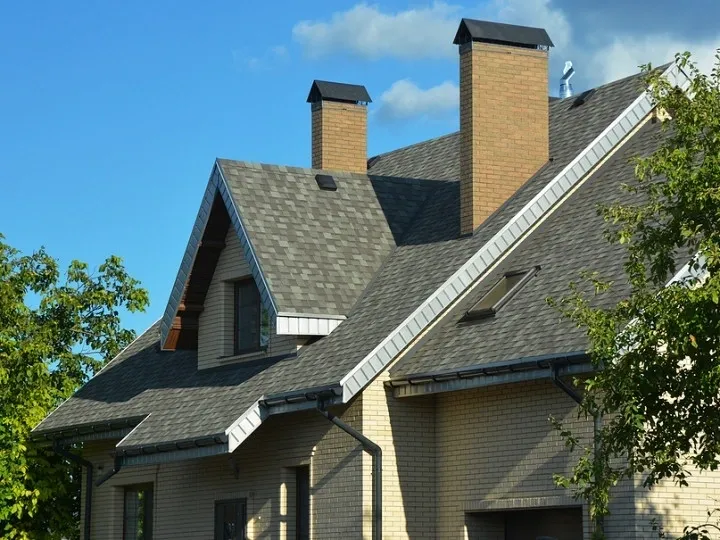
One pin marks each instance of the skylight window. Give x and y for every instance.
(500, 294)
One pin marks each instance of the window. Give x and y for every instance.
(230, 520)
(500, 294)
(252, 320)
(138, 513)
(302, 503)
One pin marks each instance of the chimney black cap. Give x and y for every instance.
(500, 33)
(334, 91)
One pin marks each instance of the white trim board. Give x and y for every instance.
(305, 326)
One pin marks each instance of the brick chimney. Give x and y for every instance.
(504, 132)
(339, 126)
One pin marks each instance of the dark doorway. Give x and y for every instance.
(546, 524)
(302, 503)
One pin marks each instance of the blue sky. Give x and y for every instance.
(111, 113)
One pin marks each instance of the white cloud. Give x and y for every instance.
(367, 32)
(622, 56)
(404, 99)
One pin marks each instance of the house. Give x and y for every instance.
(363, 349)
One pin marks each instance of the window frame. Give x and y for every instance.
(148, 512)
(473, 314)
(243, 517)
(237, 285)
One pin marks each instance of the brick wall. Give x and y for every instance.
(215, 333)
(504, 130)
(339, 136)
(674, 507)
(260, 471)
(405, 430)
(496, 445)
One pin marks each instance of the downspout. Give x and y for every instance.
(376, 453)
(597, 426)
(64, 452)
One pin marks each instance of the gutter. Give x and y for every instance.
(64, 452)
(376, 452)
(521, 365)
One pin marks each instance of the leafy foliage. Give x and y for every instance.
(657, 385)
(56, 331)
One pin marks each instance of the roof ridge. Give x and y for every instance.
(432, 139)
(256, 165)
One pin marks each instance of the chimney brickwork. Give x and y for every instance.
(339, 136)
(339, 126)
(504, 126)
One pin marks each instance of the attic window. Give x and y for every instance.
(500, 294)
(252, 320)
(326, 182)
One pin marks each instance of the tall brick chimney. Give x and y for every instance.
(339, 126)
(504, 131)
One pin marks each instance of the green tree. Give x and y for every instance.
(56, 330)
(657, 352)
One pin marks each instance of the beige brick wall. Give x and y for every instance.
(260, 471)
(495, 445)
(215, 337)
(674, 507)
(405, 430)
(503, 125)
(339, 136)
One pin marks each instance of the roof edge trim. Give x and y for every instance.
(507, 376)
(244, 426)
(217, 184)
(305, 326)
(443, 297)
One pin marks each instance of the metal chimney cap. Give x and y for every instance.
(501, 33)
(335, 91)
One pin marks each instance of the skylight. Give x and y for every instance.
(500, 294)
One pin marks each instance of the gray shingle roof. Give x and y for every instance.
(186, 404)
(319, 249)
(569, 241)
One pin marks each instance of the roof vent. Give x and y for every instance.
(326, 182)
(566, 89)
(583, 98)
